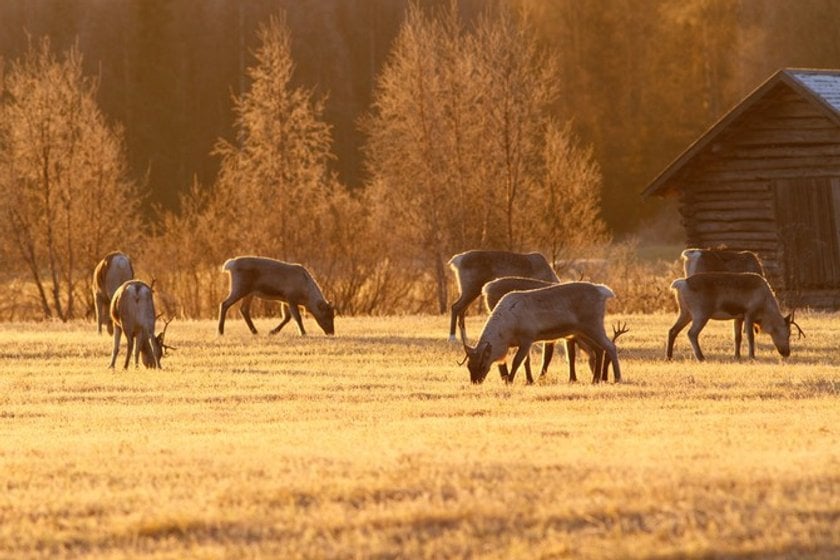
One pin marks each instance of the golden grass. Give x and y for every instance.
(374, 444)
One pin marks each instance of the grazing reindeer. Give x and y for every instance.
(729, 295)
(575, 309)
(109, 275)
(473, 269)
(133, 312)
(723, 260)
(494, 291)
(275, 280)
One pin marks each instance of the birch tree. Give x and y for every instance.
(65, 196)
(565, 201)
(456, 136)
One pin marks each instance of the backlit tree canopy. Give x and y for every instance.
(65, 197)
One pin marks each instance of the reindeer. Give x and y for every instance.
(133, 312)
(723, 260)
(720, 260)
(575, 309)
(473, 269)
(729, 295)
(275, 280)
(494, 291)
(108, 275)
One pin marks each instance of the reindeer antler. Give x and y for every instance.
(162, 334)
(800, 334)
(619, 329)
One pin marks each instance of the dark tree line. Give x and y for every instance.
(640, 79)
(370, 139)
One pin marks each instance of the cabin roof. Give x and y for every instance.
(820, 87)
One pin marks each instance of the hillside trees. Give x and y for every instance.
(65, 196)
(456, 141)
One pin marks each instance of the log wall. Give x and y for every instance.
(728, 192)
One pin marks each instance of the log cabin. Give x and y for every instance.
(766, 177)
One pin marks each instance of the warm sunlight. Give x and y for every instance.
(419, 279)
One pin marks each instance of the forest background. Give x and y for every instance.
(367, 139)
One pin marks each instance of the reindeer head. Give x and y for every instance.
(148, 355)
(782, 341)
(779, 331)
(478, 361)
(324, 314)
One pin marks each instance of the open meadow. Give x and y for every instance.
(373, 444)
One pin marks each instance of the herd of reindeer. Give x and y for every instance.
(525, 299)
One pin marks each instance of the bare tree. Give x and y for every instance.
(518, 81)
(65, 198)
(457, 136)
(565, 200)
(407, 149)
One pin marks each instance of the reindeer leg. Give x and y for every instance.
(590, 351)
(605, 368)
(570, 357)
(245, 311)
(293, 309)
(748, 321)
(503, 371)
(117, 335)
(548, 353)
(462, 326)
(129, 349)
(157, 351)
(101, 309)
(683, 320)
(605, 353)
(232, 298)
(697, 325)
(518, 358)
(600, 362)
(594, 354)
(459, 309)
(138, 348)
(97, 310)
(610, 356)
(527, 365)
(738, 328)
(286, 315)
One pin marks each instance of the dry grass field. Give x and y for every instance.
(373, 444)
